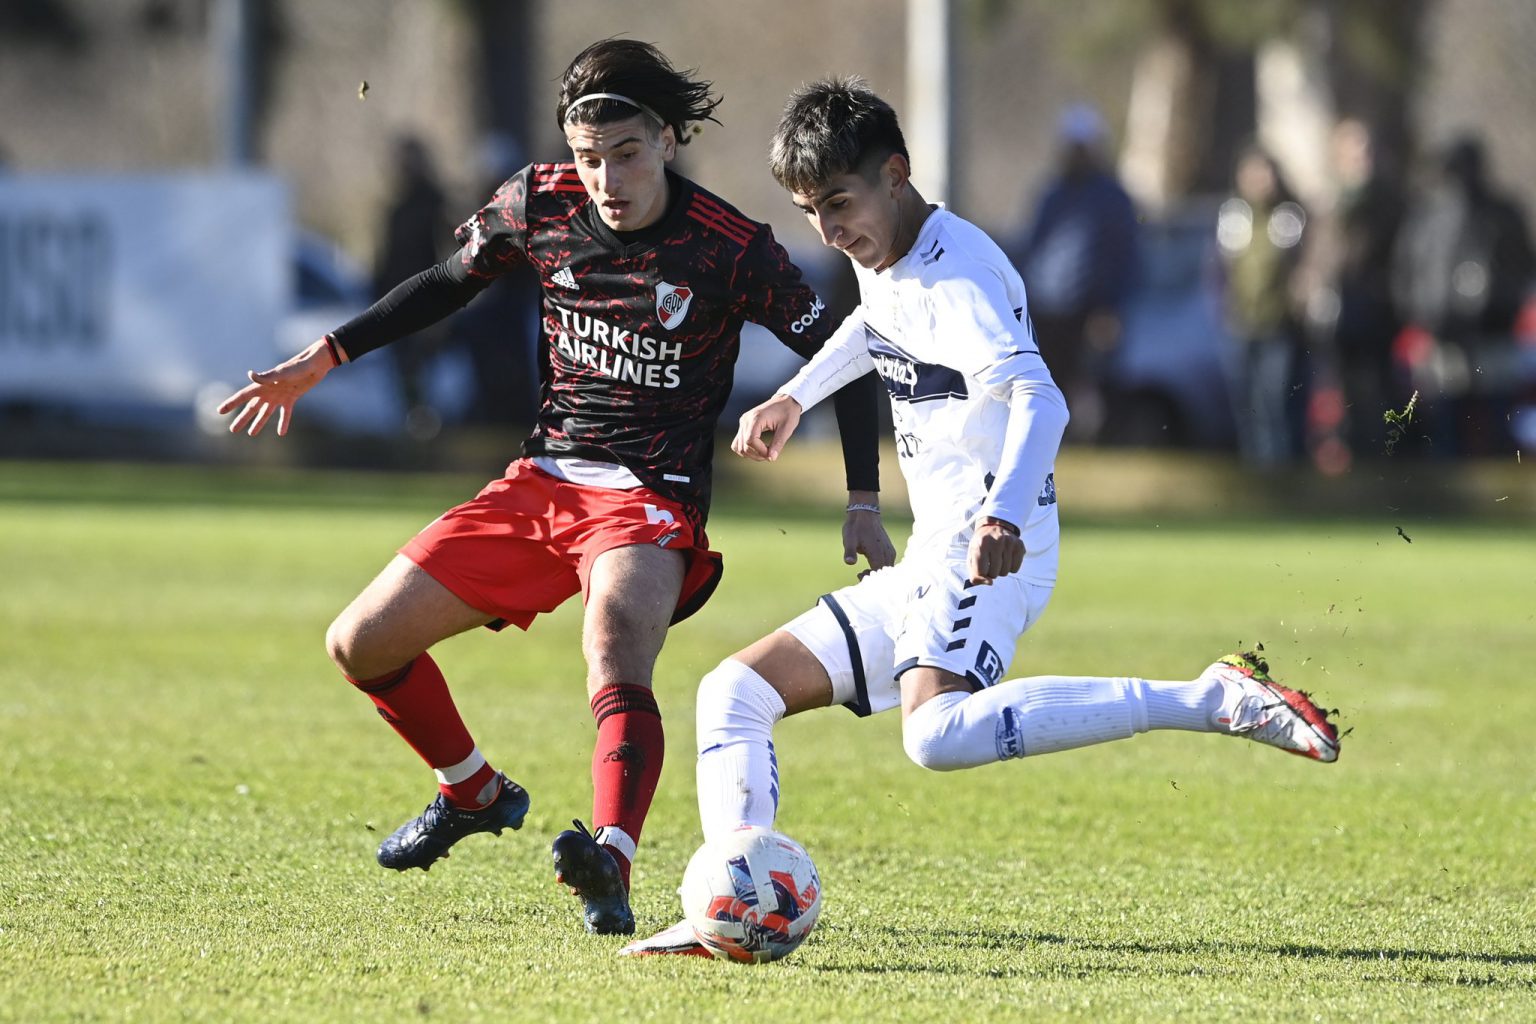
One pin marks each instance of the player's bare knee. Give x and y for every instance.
(347, 641)
(341, 642)
(617, 628)
(621, 648)
(615, 665)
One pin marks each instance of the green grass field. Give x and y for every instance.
(192, 796)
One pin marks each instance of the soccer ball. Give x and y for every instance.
(752, 895)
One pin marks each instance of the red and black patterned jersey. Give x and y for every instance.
(638, 340)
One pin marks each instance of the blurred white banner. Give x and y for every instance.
(139, 290)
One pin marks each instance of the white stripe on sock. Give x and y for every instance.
(457, 773)
(612, 835)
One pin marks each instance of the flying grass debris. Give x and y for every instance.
(1397, 422)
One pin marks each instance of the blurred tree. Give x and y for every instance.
(503, 33)
(43, 21)
(1194, 98)
(247, 39)
(1376, 63)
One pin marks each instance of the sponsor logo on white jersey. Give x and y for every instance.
(672, 303)
(910, 381)
(896, 370)
(565, 279)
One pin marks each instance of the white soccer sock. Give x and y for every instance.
(1180, 704)
(1042, 714)
(738, 774)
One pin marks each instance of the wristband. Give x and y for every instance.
(1005, 524)
(330, 346)
(860, 506)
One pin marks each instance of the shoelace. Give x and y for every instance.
(580, 827)
(432, 817)
(440, 808)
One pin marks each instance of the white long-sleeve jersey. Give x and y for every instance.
(978, 417)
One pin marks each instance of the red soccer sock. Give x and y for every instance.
(416, 702)
(626, 764)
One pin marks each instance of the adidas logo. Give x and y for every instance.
(565, 279)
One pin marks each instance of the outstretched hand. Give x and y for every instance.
(277, 390)
(776, 419)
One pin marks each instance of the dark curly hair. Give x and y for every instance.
(628, 67)
(833, 127)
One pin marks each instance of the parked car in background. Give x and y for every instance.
(328, 289)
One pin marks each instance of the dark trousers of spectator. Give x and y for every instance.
(1261, 371)
(1064, 347)
(1362, 341)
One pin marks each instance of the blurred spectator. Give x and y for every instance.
(1462, 266)
(1259, 231)
(1077, 260)
(1358, 319)
(415, 227)
(499, 330)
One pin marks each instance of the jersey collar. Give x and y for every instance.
(924, 233)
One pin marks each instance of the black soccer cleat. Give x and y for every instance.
(421, 841)
(593, 875)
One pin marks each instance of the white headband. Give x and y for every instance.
(589, 97)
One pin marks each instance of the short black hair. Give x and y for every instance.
(641, 72)
(833, 127)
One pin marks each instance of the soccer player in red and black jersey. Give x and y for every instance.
(646, 279)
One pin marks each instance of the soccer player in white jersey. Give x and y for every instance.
(978, 420)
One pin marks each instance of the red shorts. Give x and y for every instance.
(527, 542)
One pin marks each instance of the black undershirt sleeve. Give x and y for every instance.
(413, 304)
(857, 405)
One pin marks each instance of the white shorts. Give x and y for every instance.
(868, 634)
